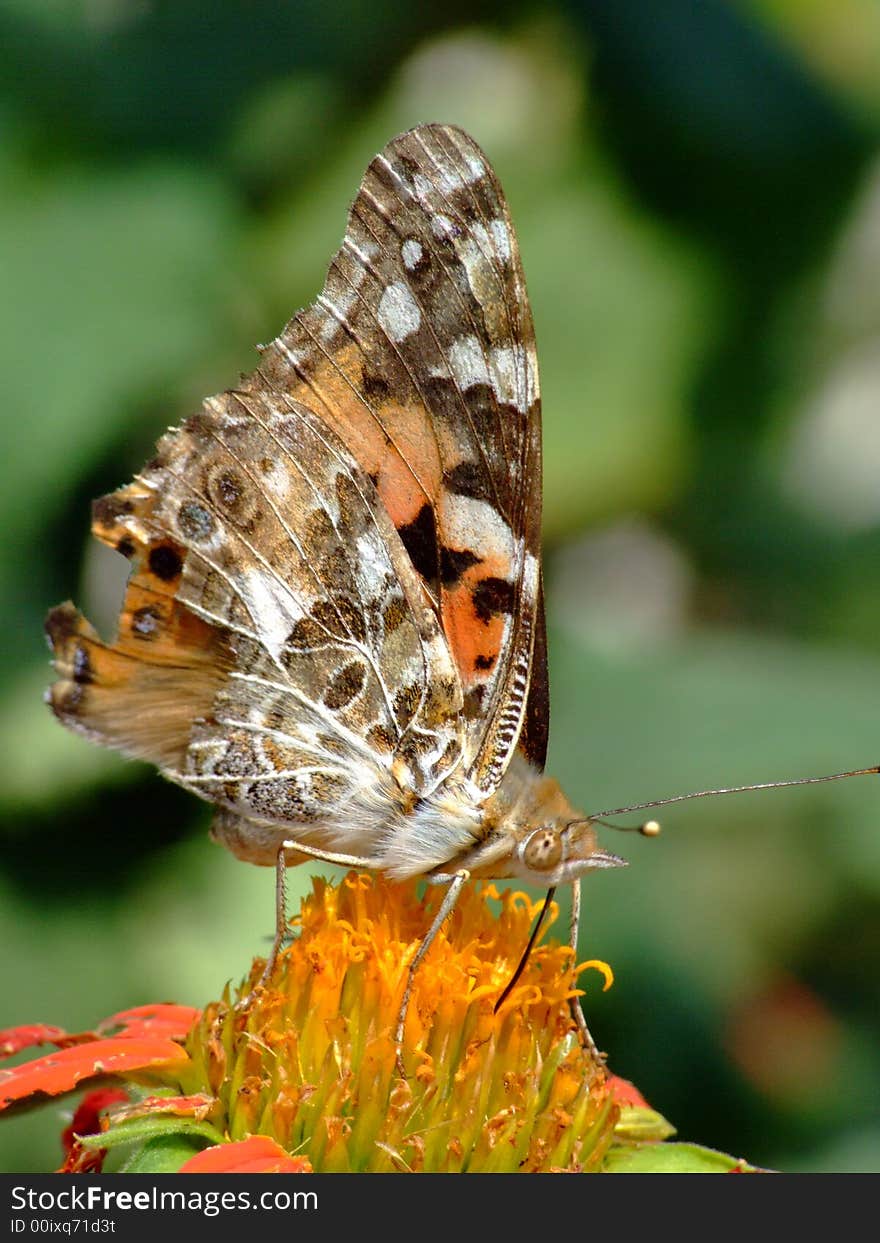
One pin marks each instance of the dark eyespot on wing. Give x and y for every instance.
(493, 596)
(165, 562)
(420, 541)
(229, 488)
(454, 562)
(195, 521)
(467, 479)
(375, 386)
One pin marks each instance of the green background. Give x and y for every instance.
(696, 190)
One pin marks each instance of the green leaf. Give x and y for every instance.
(163, 1155)
(168, 1131)
(639, 1124)
(672, 1159)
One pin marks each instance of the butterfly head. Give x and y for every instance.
(554, 853)
(531, 831)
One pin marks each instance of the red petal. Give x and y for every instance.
(62, 1071)
(257, 1155)
(87, 1119)
(626, 1093)
(162, 1019)
(15, 1038)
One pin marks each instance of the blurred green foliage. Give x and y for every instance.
(695, 188)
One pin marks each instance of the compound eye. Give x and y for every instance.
(543, 850)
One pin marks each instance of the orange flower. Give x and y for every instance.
(301, 1073)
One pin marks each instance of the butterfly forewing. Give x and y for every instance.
(420, 354)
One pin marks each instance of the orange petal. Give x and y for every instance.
(162, 1019)
(626, 1093)
(62, 1071)
(596, 964)
(257, 1155)
(15, 1038)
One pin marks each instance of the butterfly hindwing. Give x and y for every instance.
(261, 527)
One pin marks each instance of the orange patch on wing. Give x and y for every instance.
(393, 443)
(474, 643)
(406, 485)
(142, 692)
(156, 628)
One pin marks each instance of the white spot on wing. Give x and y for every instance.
(272, 608)
(399, 312)
(476, 168)
(508, 367)
(412, 252)
(422, 186)
(501, 236)
(531, 573)
(476, 253)
(372, 562)
(485, 244)
(445, 177)
(277, 480)
(443, 228)
(468, 362)
(476, 525)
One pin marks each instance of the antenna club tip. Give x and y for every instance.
(651, 828)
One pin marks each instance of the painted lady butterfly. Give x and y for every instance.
(334, 629)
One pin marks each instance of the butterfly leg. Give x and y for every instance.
(450, 898)
(281, 902)
(577, 1010)
(280, 929)
(280, 916)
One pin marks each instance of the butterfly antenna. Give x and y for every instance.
(539, 922)
(651, 828)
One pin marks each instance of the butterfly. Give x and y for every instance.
(333, 629)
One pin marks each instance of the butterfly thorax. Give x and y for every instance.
(526, 828)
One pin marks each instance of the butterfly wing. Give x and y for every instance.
(321, 667)
(336, 584)
(420, 354)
